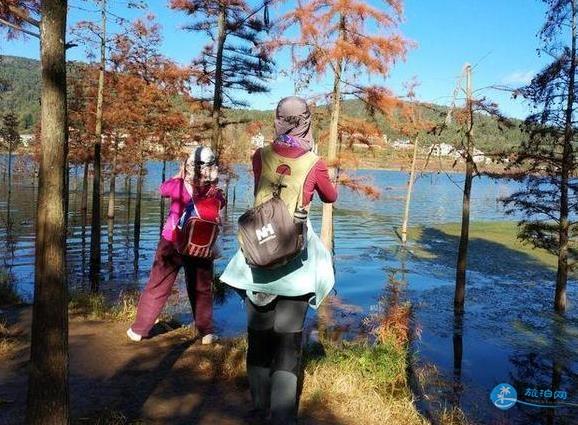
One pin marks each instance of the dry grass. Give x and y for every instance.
(8, 295)
(366, 382)
(452, 416)
(96, 306)
(7, 340)
(362, 383)
(109, 417)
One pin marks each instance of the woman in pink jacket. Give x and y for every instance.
(198, 177)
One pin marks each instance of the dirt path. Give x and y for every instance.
(169, 379)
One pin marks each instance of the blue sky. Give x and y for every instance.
(497, 36)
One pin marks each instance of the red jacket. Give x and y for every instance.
(317, 179)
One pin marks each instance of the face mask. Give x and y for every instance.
(201, 167)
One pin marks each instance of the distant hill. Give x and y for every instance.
(22, 97)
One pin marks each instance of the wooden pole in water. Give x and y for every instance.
(409, 190)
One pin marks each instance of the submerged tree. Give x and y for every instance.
(234, 60)
(550, 198)
(11, 139)
(351, 40)
(48, 380)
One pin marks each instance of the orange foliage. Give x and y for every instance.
(359, 185)
(371, 42)
(141, 119)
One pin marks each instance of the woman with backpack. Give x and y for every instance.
(193, 191)
(280, 274)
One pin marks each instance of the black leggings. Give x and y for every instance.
(274, 357)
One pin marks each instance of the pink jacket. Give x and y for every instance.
(176, 189)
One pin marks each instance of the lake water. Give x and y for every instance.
(508, 334)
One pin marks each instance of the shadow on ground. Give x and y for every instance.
(169, 379)
(484, 256)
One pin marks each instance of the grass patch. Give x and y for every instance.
(8, 294)
(97, 307)
(366, 381)
(361, 382)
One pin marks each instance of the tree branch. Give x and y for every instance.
(19, 28)
(22, 14)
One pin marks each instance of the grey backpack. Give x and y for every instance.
(269, 236)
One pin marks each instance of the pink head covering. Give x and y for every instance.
(293, 119)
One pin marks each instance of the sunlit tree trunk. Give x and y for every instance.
(327, 217)
(567, 166)
(460, 293)
(48, 401)
(95, 226)
(218, 93)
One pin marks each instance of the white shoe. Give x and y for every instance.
(209, 339)
(133, 336)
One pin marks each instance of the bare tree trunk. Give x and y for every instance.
(567, 167)
(111, 206)
(10, 167)
(327, 217)
(218, 93)
(128, 197)
(163, 178)
(84, 198)
(112, 195)
(137, 215)
(408, 196)
(460, 294)
(95, 226)
(48, 401)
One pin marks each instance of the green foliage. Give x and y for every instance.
(381, 365)
(23, 76)
(490, 137)
(22, 96)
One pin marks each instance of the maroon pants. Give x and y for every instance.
(166, 266)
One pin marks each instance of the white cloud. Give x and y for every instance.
(519, 77)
